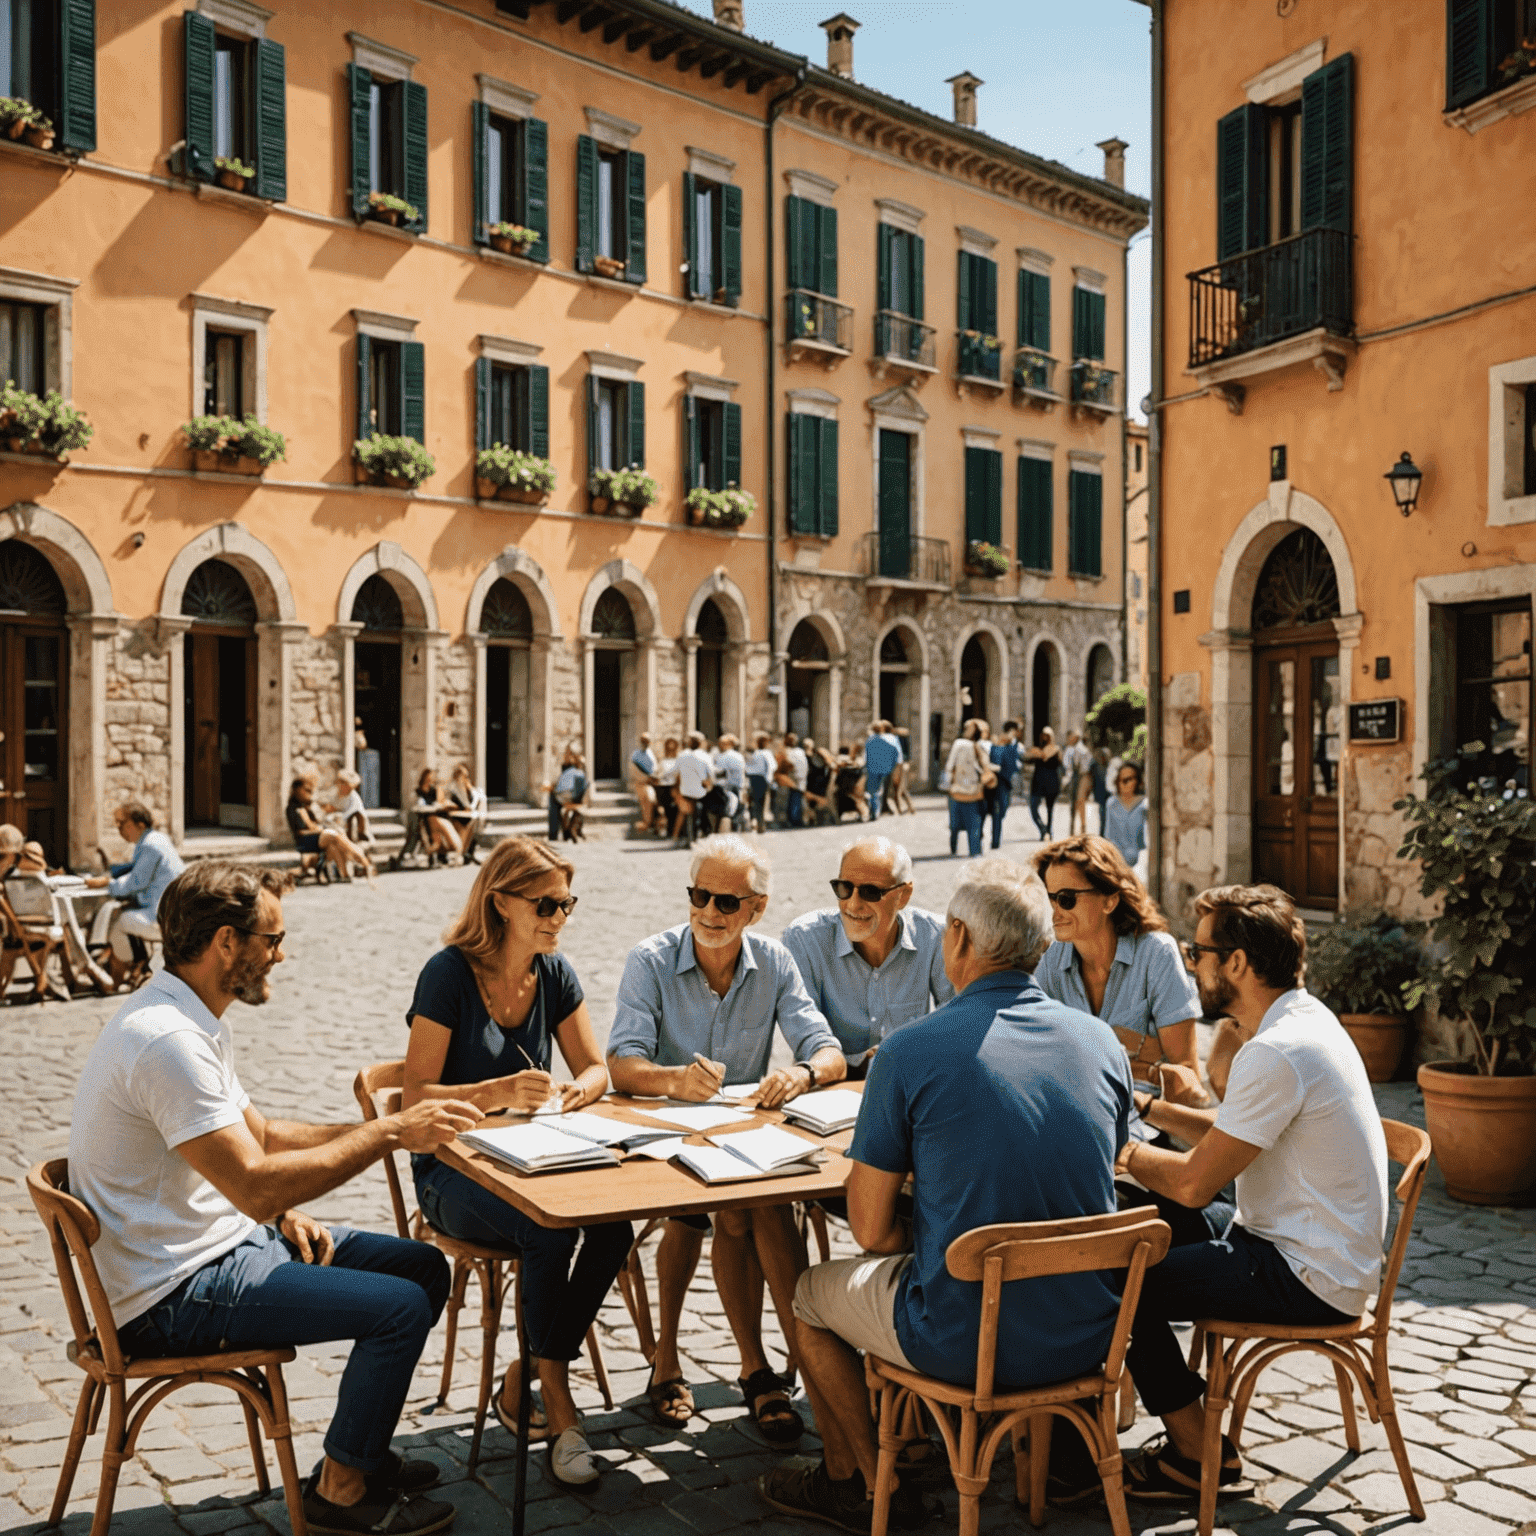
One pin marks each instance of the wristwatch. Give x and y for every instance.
(810, 1071)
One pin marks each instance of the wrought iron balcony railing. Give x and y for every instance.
(1093, 384)
(980, 356)
(1033, 369)
(903, 339)
(901, 556)
(1267, 295)
(814, 317)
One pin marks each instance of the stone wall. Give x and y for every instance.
(565, 667)
(454, 733)
(138, 722)
(314, 708)
(1189, 855)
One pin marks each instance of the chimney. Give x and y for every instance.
(840, 30)
(1114, 160)
(965, 97)
(728, 14)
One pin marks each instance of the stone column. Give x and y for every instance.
(275, 642)
(477, 642)
(1231, 756)
(168, 632)
(90, 654)
(588, 684)
(690, 645)
(777, 678)
(346, 636)
(834, 705)
(541, 712)
(734, 709)
(649, 668)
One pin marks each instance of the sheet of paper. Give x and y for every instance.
(598, 1128)
(661, 1150)
(717, 1167)
(698, 1117)
(531, 1144)
(767, 1146)
(832, 1106)
(733, 1091)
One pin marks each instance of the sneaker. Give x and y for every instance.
(571, 1462)
(397, 1475)
(377, 1513)
(845, 1505)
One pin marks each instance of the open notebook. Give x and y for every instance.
(764, 1153)
(827, 1112)
(539, 1148)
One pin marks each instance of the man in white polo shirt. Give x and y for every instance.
(695, 778)
(1299, 1132)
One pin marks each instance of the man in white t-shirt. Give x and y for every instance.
(695, 778)
(202, 1247)
(1299, 1132)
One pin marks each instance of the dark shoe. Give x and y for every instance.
(767, 1400)
(1160, 1475)
(809, 1493)
(397, 1475)
(375, 1514)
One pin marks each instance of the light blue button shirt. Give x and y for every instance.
(667, 1009)
(863, 1004)
(1126, 829)
(1148, 989)
(155, 864)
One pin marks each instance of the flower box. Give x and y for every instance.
(488, 490)
(39, 138)
(365, 476)
(607, 506)
(208, 460)
(607, 266)
(385, 215)
(509, 247)
(233, 181)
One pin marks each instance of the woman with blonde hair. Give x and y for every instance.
(487, 1009)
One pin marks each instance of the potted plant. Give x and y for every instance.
(508, 474)
(608, 266)
(1476, 846)
(729, 508)
(1359, 969)
(232, 447)
(1518, 64)
(399, 462)
(984, 559)
(47, 425)
(512, 239)
(386, 208)
(624, 492)
(15, 116)
(232, 173)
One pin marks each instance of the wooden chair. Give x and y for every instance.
(496, 1269)
(1237, 1354)
(254, 1375)
(30, 932)
(973, 1421)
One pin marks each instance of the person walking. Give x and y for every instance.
(1125, 822)
(1077, 761)
(882, 756)
(1006, 752)
(963, 778)
(695, 777)
(760, 766)
(1045, 782)
(1100, 776)
(799, 768)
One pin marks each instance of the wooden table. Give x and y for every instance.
(639, 1189)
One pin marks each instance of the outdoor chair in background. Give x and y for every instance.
(974, 1421)
(31, 935)
(254, 1375)
(1237, 1354)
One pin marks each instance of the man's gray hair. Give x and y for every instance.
(886, 847)
(736, 850)
(1006, 912)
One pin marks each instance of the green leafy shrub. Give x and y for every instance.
(239, 439)
(15, 109)
(510, 466)
(48, 422)
(1364, 965)
(387, 202)
(234, 165)
(632, 485)
(518, 234)
(402, 457)
(987, 558)
(1117, 718)
(729, 508)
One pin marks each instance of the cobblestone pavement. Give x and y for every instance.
(1464, 1362)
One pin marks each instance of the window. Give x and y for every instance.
(1285, 170)
(386, 164)
(389, 141)
(812, 444)
(983, 495)
(235, 105)
(899, 254)
(1085, 503)
(384, 389)
(977, 307)
(810, 231)
(712, 236)
(1036, 498)
(1493, 688)
(1480, 36)
(24, 346)
(615, 423)
(610, 207)
(1087, 324)
(391, 387)
(1034, 310)
(231, 98)
(512, 406)
(224, 373)
(511, 175)
(48, 58)
(1138, 458)
(714, 442)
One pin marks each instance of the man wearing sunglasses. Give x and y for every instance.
(202, 1245)
(872, 963)
(697, 1008)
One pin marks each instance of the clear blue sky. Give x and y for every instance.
(1058, 79)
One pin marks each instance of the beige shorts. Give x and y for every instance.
(856, 1300)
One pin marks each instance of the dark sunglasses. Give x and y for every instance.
(725, 904)
(546, 906)
(1067, 899)
(843, 889)
(274, 940)
(1192, 952)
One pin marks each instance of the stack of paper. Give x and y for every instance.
(610, 1133)
(734, 1092)
(698, 1117)
(764, 1153)
(827, 1112)
(539, 1148)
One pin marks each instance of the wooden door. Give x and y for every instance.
(607, 715)
(34, 715)
(204, 789)
(498, 703)
(1298, 717)
(895, 504)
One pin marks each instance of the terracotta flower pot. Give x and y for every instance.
(385, 215)
(233, 180)
(40, 138)
(16, 128)
(599, 503)
(1483, 1130)
(528, 498)
(485, 489)
(1379, 1037)
(696, 515)
(608, 266)
(361, 474)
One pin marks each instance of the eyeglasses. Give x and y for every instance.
(547, 906)
(1192, 952)
(725, 904)
(843, 889)
(274, 940)
(1067, 899)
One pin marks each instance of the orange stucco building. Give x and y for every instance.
(1342, 277)
(713, 280)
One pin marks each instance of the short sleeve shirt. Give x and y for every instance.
(731, 769)
(881, 754)
(1149, 986)
(644, 759)
(695, 773)
(761, 764)
(1005, 1107)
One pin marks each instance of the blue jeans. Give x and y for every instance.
(965, 815)
(385, 1293)
(554, 818)
(874, 788)
(1000, 798)
(757, 797)
(796, 810)
(560, 1301)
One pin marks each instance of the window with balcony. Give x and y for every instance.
(1489, 51)
(391, 388)
(976, 315)
(1034, 368)
(511, 176)
(813, 315)
(899, 331)
(48, 59)
(236, 109)
(389, 134)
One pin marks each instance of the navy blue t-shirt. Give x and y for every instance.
(1006, 1107)
(479, 1048)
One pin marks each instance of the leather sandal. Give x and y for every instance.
(1162, 1475)
(767, 1398)
(672, 1400)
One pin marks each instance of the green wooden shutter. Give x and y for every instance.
(538, 409)
(794, 451)
(634, 399)
(1085, 501)
(690, 234)
(533, 194)
(480, 181)
(1034, 310)
(586, 202)
(485, 432)
(1468, 51)
(1087, 323)
(731, 422)
(826, 474)
(1035, 513)
(884, 237)
(364, 385)
(198, 40)
(359, 83)
(1327, 146)
(730, 241)
(986, 282)
(799, 234)
(804, 474)
(271, 121)
(1242, 181)
(994, 495)
(77, 75)
(918, 308)
(592, 385)
(826, 241)
(975, 490)
(414, 115)
(963, 301)
(634, 178)
(413, 391)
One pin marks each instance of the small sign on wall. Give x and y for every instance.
(1375, 720)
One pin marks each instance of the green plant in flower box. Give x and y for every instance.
(401, 457)
(502, 465)
(986, 559)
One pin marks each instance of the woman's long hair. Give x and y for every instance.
(512, 866)
(1103, 866)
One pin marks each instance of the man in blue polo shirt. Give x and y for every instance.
(1001, 1066)
(881, 754)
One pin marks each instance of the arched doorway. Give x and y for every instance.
(898, 684)
(219, 698)
(1298, 721)
(1101, 675)
(507, 622)
(34, 697)
(973, 680)
(808, 682)
(1044, 671)
(376, 689)
(709, 670)
(613, 682)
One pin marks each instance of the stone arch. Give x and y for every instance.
(826, 623)
(1032, 727)
(636, 586)
(731, 602)
(92, 622)
(728, 598)
(824, 701)
(638, 675)
(1090, 645)
(917, 691)
(1256, 536)
(388, 560)
(527, 575)
(262, 570)
(995, 644)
